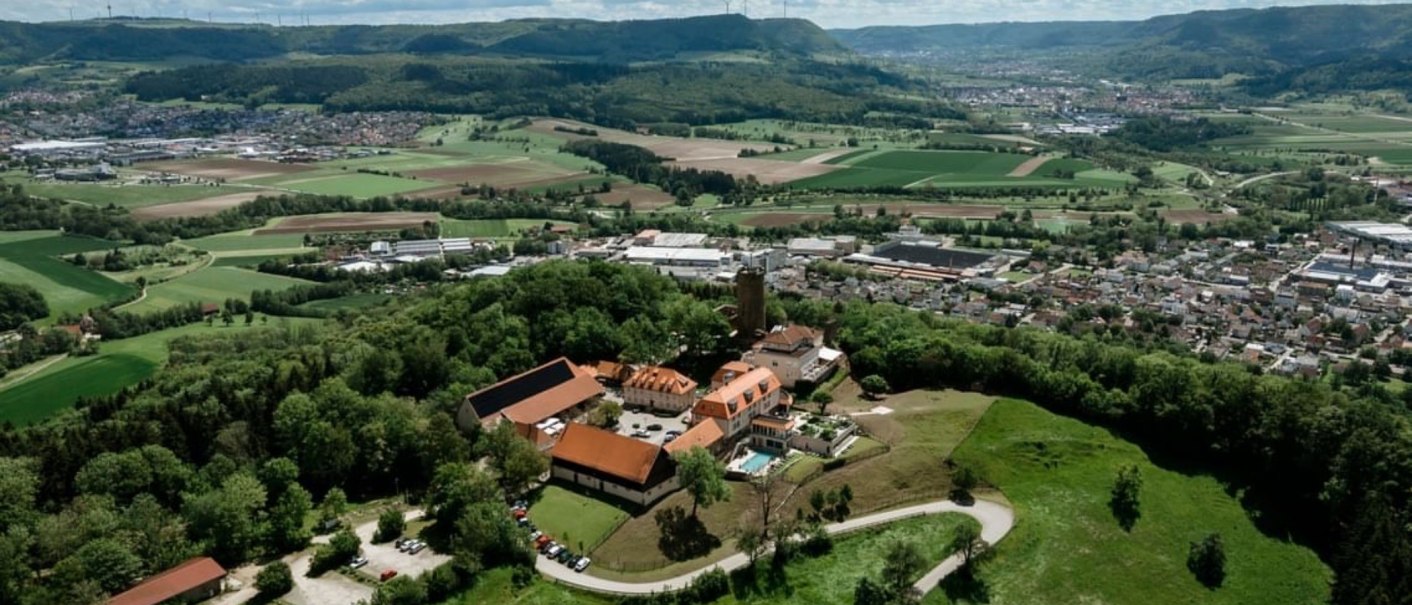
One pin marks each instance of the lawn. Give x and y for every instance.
(496, 586)
(1067, 547)
(632, 552)
(32, 257)
(210, 285)
(579, 521)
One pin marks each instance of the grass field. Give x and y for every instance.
(353, 184)
(119, 364)
(496, 586)
(896, 168)
(578, 521)
(354, 302)
(209, 285)
(126, 196)
(491, 228)
(1067, 547)
(31, 257)
(245, 242)
(40, 397)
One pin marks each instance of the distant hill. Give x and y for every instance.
(144, 40)
(1262, 43)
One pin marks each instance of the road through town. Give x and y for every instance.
(996, 520)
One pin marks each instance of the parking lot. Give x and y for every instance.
(645, 419)
(385, 556)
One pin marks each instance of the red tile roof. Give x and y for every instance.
(789, 337)
(175, 581)
(535, 395)
(661, 380)
(606, 452)
(734, 396)
(705, 434)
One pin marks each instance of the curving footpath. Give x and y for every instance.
(996, 520)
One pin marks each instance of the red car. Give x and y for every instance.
(388, 575)
(520, 513)
(541, 541)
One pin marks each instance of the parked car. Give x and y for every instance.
(545, 548)
(387, 575)
(654, 427)
(541, 540)
(641, 434)
(521, 504)
(412, 544)
(357, 561)
(520, 513)
(582, 564)
(673, 433)
(416, 548)
(564, 556)
(534, 535)
(554, 551)
(670, 438)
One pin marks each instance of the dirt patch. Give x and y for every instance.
(1197, 216)
(1028, 167)
(769, 172)
(206, 207)
(230, 169)
(642, 198)
(370, 221)
(676, 148)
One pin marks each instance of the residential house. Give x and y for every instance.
(660, 388)
(558, 389)
(604, 461)
(196, 579)
(794, 353)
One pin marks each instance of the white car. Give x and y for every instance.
(357, 562)
(554, 550)
(581, 565)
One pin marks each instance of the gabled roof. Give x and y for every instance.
(535, 395)
(610, 370)
(705, 434)
(661, 380)
(171, 583)
(733, 397)
(607, 452)
(789, 337)
(731, 369)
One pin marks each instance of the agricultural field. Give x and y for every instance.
(119, 364)
(244, 243)
(209, 285)
(128, 195)
(1312, 132)
(509, 228)
(959, 169)
(32, 257)
(353, 222)
(1068, 548)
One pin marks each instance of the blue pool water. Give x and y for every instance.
(756, 462)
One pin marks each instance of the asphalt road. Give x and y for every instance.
(996, 521)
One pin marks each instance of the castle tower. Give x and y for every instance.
(750, 303)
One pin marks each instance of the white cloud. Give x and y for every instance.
(828, 13)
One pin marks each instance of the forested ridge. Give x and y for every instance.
(130, 39)
(200, 458)
(617, 95)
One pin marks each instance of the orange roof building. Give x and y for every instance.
(553, 389)
(704, 434)
(734, 404)
(728, 372)
(626, 468)
(660, 388)
(194, 580)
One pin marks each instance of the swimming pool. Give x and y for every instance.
(756, 462)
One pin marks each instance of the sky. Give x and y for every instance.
(827, 13)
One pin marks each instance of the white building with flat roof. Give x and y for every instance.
(676, 257)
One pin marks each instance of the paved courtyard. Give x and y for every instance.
(645, 419)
